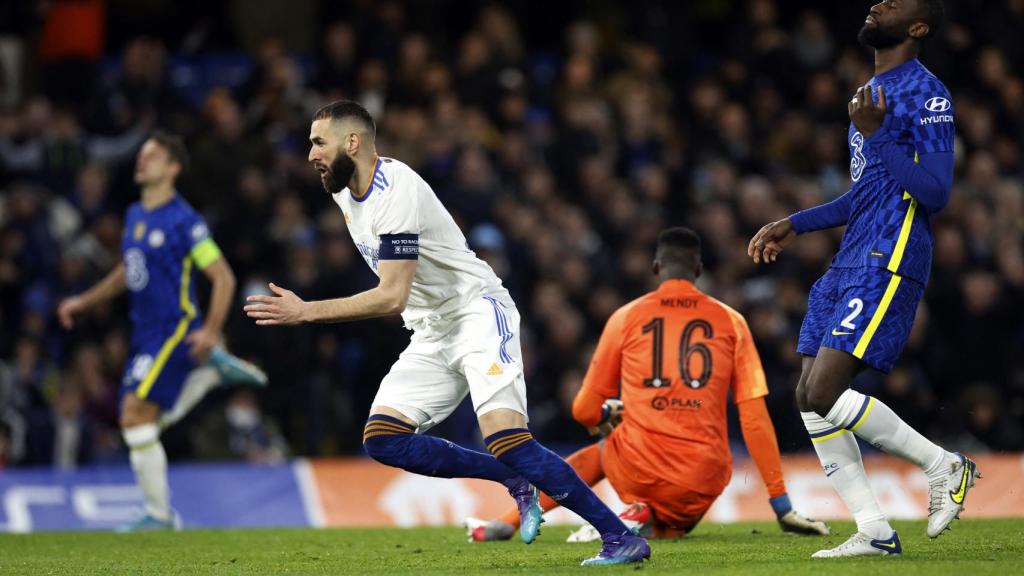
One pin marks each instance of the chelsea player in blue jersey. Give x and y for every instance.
(861, 311)
(175, 354)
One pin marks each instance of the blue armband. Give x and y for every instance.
(399, 247)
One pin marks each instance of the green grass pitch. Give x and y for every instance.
(973, 547)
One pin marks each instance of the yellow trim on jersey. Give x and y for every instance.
(179, 332)
(864, 416)
(839, 432)
(901, 241)
(205, 253)
(883, 306)
(908, 223)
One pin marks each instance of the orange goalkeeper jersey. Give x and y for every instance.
(678, 353)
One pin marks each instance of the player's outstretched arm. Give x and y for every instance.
(770, 240)
(110, 286)
(202, 341)
(387, 299)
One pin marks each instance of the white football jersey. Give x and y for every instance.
(402, 208)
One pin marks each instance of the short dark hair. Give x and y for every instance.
(678, 247)
(174, 145)
(340, 109)
(934, 15)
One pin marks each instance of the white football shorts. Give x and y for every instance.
(474, 350)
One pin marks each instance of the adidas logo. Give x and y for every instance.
(495, 370)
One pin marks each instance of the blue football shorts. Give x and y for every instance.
(867, 312)
(158, 365)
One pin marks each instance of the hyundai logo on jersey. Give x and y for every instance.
(937, 104)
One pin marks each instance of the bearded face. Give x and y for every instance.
(879, 36)
(338, 173)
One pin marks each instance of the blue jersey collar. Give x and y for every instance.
(912, 63)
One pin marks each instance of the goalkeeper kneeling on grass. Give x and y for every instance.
(665, 446)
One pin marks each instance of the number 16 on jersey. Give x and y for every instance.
(694, 358)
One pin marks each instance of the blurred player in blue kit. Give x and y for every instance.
(175, 355)
(861, 311)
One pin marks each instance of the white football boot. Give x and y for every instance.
(861, 544)
(947, 492)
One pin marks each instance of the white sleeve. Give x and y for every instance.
(397, 220)
(398, 211)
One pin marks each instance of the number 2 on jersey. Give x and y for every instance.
(858, 306)
(686, 351)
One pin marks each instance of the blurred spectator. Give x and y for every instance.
(239, 432)
(61, 437)
(18, 20)
(987, 420)
(336, 72)
(142, 92)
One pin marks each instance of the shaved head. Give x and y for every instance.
(348, 113)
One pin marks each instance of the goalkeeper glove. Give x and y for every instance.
(792, 521)
(611, 416)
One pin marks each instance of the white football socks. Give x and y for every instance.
(149, 461)
(840, 457)
(877, 424)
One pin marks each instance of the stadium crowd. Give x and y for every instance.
(562, 143)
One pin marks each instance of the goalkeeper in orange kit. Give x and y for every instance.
(675, 354)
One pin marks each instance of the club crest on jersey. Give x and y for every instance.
(156, 238)
(199, 232)
(857, 160)
(140, 229)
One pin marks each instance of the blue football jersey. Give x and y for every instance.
(160, 249)
(887, 227)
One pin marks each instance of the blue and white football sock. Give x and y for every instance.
(554, 476)
(840, 457)
(149, 462)
(879, 426)
(395, 443)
